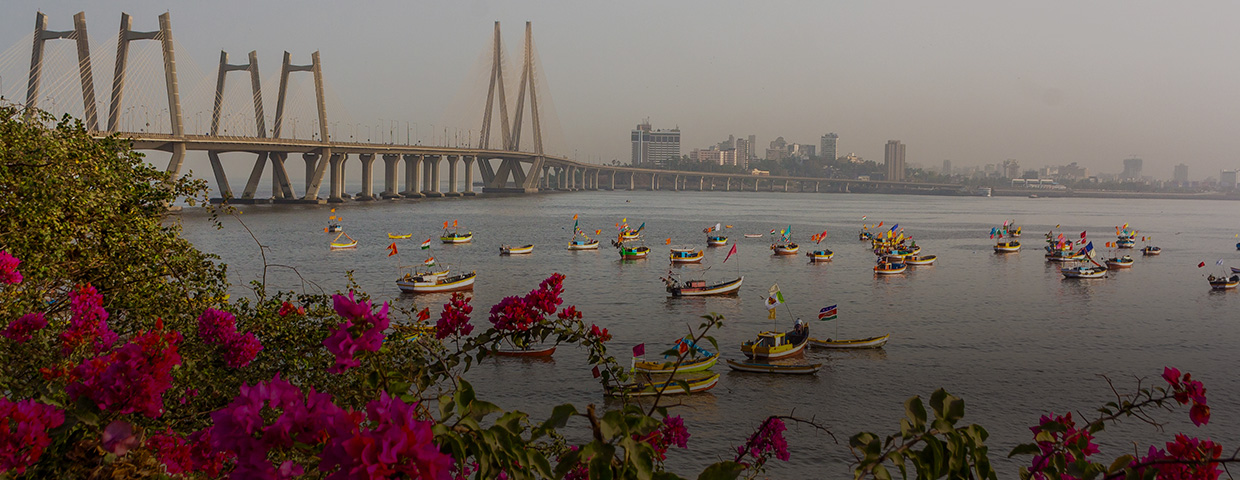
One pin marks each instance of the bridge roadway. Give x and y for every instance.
(517, 172)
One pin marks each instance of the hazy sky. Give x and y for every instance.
(1046, 83)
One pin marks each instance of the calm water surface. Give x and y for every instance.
(1007, 333)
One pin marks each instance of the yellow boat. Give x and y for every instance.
(396, 236)
(645, 366)
(511, 250)
(668, 387)
(872, 342)
(457, 237)
(338, 244)
(772, 345)
(686, 255)
(1007, 247)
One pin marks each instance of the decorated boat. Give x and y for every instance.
(411, 283)
(888, 267)
(859, 343)
(583, 244)
(631, 253)
(697, 359)
(533, 351)
(1125, 261)
(455, 237)
(823, 255)
(1126, 238)
(1151, 250)
(1065, 256)
(865, 236)
(786, 248)
(1224, 282)
(399, 236)
(343, 241)
(511, 250)
(922, 260)
(671, 386)
(628, 233)
(785, 368)
(1007, 246)
(694, 288)
(773, 345)
(716, 240)
(686, 255)
(1235, 269)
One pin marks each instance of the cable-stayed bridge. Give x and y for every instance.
(145, 81)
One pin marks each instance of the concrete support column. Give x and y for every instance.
(469, 176)
(413, 171)
(785, 186)
(816, 187)
(390, 164)
(612, 176)
(452, 192)
(368, 177)
(631, 184)
(755, 184)
(594, 180)
(676, 183)
(434, 176)
(427, 175)
(654, 182)
(561, 179)
(335, 179)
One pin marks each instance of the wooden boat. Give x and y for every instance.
(773, 345)
(455, 237)
(686, 255)
(716, 241)
(698, 365)
(890, 268)
(333, 228)
(1084, 271)
(511, 250)
(629, 253)
(899, 253)
(922, 260)
(436, 283)
(587, 244)
(396, 236)
(820, 255)
(1125, 241)
(1224, 283)
(791, 368)
(865, 236)
(528, 352)
(630, 234)
(785, 248)
(753, 235)
(1065, 256)
(1007, 247)
(1125, 261)
(413, 332)
(1151, 250)
(696, 384)
(696, 288)
(338, 244)
(872, 342)
(1235, 269)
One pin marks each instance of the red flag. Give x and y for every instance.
(1202, 264)
(639, 350)
(454, 223)
(730, 252)
(596, 372)
(1082, 234)
(392, 249)
(683, 347)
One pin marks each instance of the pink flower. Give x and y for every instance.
(23, 432)
(1172, 376)
(88, 322)
(132, 378)
(241, 429)
(362, 330)
(8, 268)
(21, 329)
(118, 438)
(1199, 414)
(768, 439)
(182, 456)
(518, 314)
(599, 334)
(1186, 458)
(390, 441)
(455, 317)
(215, 326)
(1186, 390)
(220, 328)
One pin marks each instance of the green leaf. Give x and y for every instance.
(955, 409)
(916, 413)
(1120, 463)
(722, 471)
(936, 402)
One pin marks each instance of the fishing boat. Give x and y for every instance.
(865, 236)
(1064, 256)
(399, 236)
(511, 250)
(823, 255)
(1235, 269)
(1151, 250)
(333, 228)
(339, 244)
(785, 368)
(436, 283)
(872, 342)
(753, 235)
(631, 253)
(787, 248)
(454, 237)
(1084, 271)
(1125, 238)
(888, 267)
(527, 352)
(629, 235)
(716, 241)
(699, 359)
(922, 260)
(773, 345)
(686, 255)
(413, 332)
(1007, 247)
(1125, 261)
(1224, 283)
(586, 244)
(671, 386)
(696, 288)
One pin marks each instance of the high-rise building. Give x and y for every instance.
(753, 147)
(1227, 180)
(893, 157)
(1181, 174)
(828, 146)
(1132, 169)
(947, 167)
(1011, 168)
(654, 148)
(744, 151)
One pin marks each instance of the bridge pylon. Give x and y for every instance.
(78, 34)
(314, 173)
(164, 36)
(510, 169)
(281, 188)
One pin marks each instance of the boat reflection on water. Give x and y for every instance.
(872, 354)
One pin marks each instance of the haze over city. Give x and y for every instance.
(972, 82)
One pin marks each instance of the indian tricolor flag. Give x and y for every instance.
(426, 245)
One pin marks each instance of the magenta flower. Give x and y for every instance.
(219, 328)
(1187, 458)
(455, 317)
(180, 455)
(131, 379)
(1186, 390)
(767, 440)
(8, 268)
(390, 441)
(241, 350)
(518, 314)
(118, 438)
(1172, 376)
(23, 432)
(23, 328)
(362, 330)
(89, 321)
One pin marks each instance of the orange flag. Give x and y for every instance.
(596, 232)
(574, 216)
(668, 242)
(454, 223)
(392, 249)
(445, 224)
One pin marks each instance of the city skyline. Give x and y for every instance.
(969, 82)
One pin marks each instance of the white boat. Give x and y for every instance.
(697, 288)
(1224, 283)
(753, 235)
(587, 244)
(511, 250)
(922, 260)
(785, 368)
(1125, 261)
(872, 342)
(1084, 271)
(338, 244)
(436, 283)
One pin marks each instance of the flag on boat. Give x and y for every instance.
(879, 224)
(827, 313)
(1089, 247)
(681, 347)
(445, 224)
(454, 224)
(392, 249)
(772, 231)
(775, 299)
(430, 262)
(863, 217)
(596, 372)
(598, 232)
(639, 350)
(426, 245)
(1219, 262)
(730, 252)
(1082, 235)
(894, 227)
(1202, 264)
(668, 242)
(574, 216)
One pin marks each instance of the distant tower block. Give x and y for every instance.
(41, 36)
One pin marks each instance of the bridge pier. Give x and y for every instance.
(654, 182)
(391, 162)
(335, 178)
(413, 170)
(452, 192)
(469, 176)
(368, 177)
(594, 180)
(786, 186)
(612, 176)
(430, 180)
